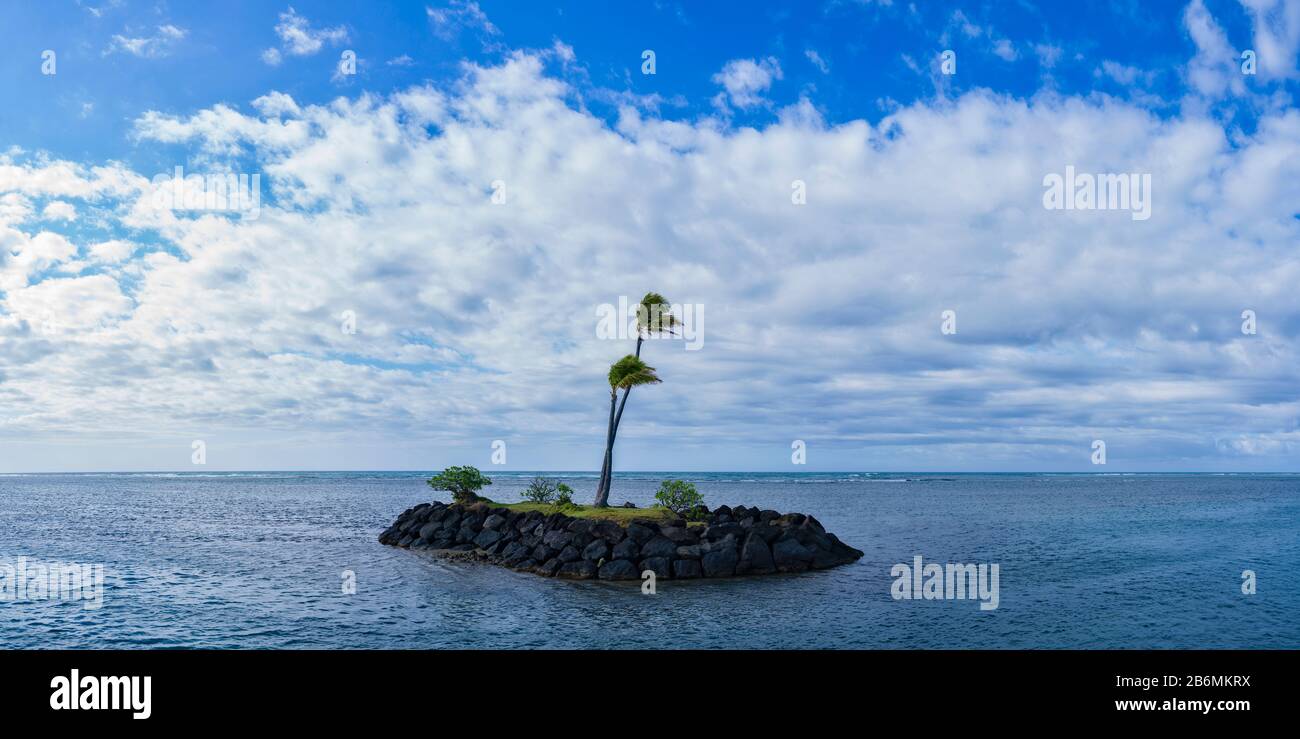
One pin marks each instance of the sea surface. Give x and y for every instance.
(260, 560)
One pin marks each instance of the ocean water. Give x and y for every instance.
(258, 560)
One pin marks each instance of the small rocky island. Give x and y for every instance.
(724, 542)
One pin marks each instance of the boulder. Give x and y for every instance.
(658, 565)
(755, 557)
(640, 532)
(618, 569)
(569, 554)
(494, 521)
(719, 563)
(626, 549)
(790, 556)
(428, 530)
(549, 567)
(596, 550)
(690, 551)
(609, 531)
(486, 539)
(557, 539)
(658, 546)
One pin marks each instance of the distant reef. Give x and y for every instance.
(724, 542)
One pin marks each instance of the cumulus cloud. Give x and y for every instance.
(298, 38)
(745, 80)
(823, 319)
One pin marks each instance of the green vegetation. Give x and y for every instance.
(546, 491)
(678, 496)
(619, 515)
(463, 483)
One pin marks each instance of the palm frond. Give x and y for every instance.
(630, 372)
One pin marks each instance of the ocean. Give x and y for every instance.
(262, 560)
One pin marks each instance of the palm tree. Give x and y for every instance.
(653, 316)
(624, 374)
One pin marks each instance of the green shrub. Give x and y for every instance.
(463, 483)
(678, 496)
(564, 497)
(541, 490)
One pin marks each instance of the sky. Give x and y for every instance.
(849, 202)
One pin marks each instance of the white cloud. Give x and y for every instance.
(745, 80)
(1072, 325)
(298, 38)
(58, 210)
(457, 16)
(160, 44)
(1214, 71)
(1276, 36)
(817, 61)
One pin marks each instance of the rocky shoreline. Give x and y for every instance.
(726, 542)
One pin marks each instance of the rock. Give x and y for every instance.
(689, 551)
(639, 532)
(679, 535)
(824, 558)
(769, 534)
(465, 534)
(596, 550)
(626, 549)
(628, 504)
(578, 570)
(609, 531)
(727, 542)
(735, 541)
(722, 531)
(791, 556)
(658, 546)
(618, 569)
(557, 539)
(658, 565)
(686, 569)
(720, 563)
(755, 557)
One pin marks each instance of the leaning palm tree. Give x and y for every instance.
(653, 316)
(624, 375)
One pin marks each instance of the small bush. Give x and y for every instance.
(564, 497)
(463, 483)
(541, 490)
(678, 496)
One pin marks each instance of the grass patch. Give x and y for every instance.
(619, 515)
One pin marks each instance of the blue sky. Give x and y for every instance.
(128, 331)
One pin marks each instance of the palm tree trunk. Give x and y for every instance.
(602, 489)
(608, 478)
